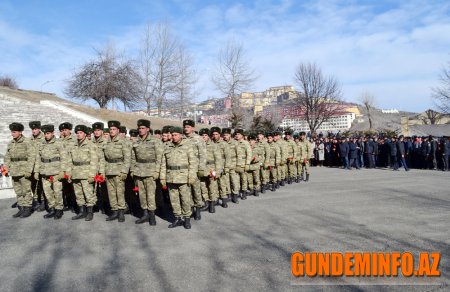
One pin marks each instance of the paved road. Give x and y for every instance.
(245, 247)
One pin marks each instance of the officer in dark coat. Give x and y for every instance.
(425, 150)
(393, 152)
(445, 152)
(353, 153)
(343, 152)
(433, 149)
(401, 152)
(369, 151)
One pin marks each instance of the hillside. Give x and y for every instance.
(380, 120)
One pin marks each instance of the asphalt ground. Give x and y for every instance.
(246, 247)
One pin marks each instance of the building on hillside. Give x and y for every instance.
(390, 111)
(272, 95)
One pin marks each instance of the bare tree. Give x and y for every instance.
(107, 77)
(158, 65)
(431, 117)
(233, 74)
(8, 81)
(441, 94)
(319, 97)
(368, 101)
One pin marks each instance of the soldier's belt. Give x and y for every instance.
(209, 162)
(145, 160)
(114, 160)
(19, 159)
(80, 163)
(54, 159)
(178, 167)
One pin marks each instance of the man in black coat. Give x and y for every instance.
(401, 152)
(433, 149)
(369, 151)
(353, 153)
(343, 152)
(393, 152)
(445, 152)
(425, 150)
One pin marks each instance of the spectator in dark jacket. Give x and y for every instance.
(433, 149)
(369, 151)
(445, 152)
(393, 152)
(425, 149)
(353, 153)
(401, 152)
(343, 152)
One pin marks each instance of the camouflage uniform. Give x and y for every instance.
(214, 165)
(117, 165)
(232, 178)
(305, 151)
(36, 140)
(264, 170)
(292, 155)
(274, 161)
(258, 159)
(199, 148)
(283, 158)
(179, 167)
(225, 154)
(69, 142)
(243, 159)
(52, 163)
(145, 166)
(19, 159)
(84, 165)
(100, 188)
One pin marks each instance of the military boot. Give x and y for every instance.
(197, 214)
(151, 218)
(274, 187)
(82, 214)
(41, 206)
(263, 189)
(51, 213)
(212, 207)
(256, 193)
(289, 181)
(143, 219)
(114, 215)
(297, 179)
(121, 215)
(14, 205)
(224, 202)
(244, 195)
(206, 207)
(18, 213)
(90, 214)
(235, 199)
(26, 212)
(307, 177)
(178, 222)
(277, 184)
(282, 183)
(187, 223)
(58, 214)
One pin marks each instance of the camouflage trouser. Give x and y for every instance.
(264, 174)
(116, 192)
(197, 194)
(243, 180)
(180, 199)
(210, 189)
(281, 172)
(298, 165)
(254, 180)
(234, 184)
(273, 174)
(38, 192)
(22, 187)
(292, 169)
(84, 192)
(53, 193)
(147, 192)
(224, 186)
(304, 167)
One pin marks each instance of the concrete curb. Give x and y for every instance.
(7, 194)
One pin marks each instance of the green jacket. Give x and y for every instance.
(224, 148)
(214, 161)
(117, 156)
(51, 158)
(199, 148)
(83, 160)
(258, 157)
(283, 151)
(146, 157)
(232, 148)
(179, 163)
(292, 150)
(305, 150)
(274, 154)
(100, 145)
(20, 156)
(266, 147)
(243, 153)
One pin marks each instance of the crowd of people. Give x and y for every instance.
(174, 169)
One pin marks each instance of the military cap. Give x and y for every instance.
(269, 134)
(302, 133)
(189, 123)
(106, 130)
(157, 132)
(98, 126)
(122, 129)
(430, 137)
(35, 125)
(296, 136)
(252, 136)
(176, 130)
(166, 129)
(288, 132)
(89, 130)
(47, 128)
(401, 136)
(276, 133)
(239, 131)
(65, 125)
(226, 131)
(143, 122)
(16, 127)
(151, 132)
(260, 132)
(134, 132)
(113, 124)
(81, 128)
(215, 130)
(204, 131)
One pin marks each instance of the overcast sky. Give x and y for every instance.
(392, 49)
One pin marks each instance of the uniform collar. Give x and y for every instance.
(20, 139)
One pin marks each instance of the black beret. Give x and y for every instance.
(204, 131)
(226, 131)
(113, 124)
(16, 127)
(47, 128)
(123, 129)
(142, 122)
(239, 131)
(215, 130)
(35, 125)
(157, 132)
(65, 125)
(176, 130)
(189, 123)
(81, 128)
(252, 137)
(134, 132)
(98, 126)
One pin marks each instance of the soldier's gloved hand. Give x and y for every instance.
(238, 169)
(36, 175)
(163, 185)
(27, 174)
(123, 176)
(90, 180)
